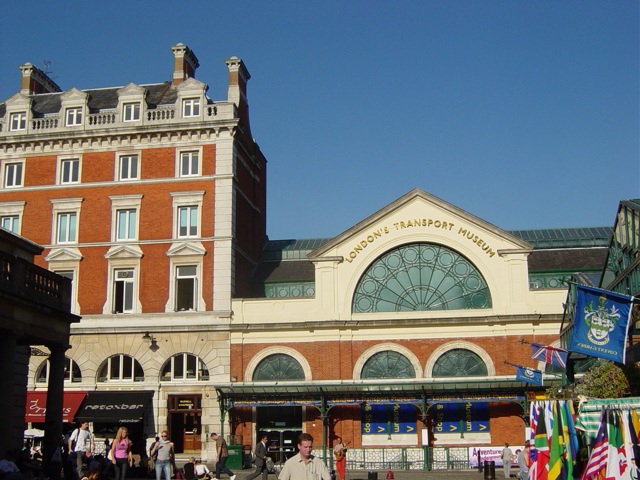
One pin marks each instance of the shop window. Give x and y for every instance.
(459, 362)
(121, 368)
(388, 364)
(72, 372)
(184, 367)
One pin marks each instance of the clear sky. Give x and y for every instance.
(523, 113)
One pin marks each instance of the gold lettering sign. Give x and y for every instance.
(430, 223)
(185, 403)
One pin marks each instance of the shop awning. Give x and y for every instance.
(36, 406)
(115, 407)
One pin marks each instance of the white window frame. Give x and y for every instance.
(190, 214)
(13, 173)
(75, 163)
(18, 121)
(198, 374)
(187, 156)
(177, 277)
(126, 224)
(73, 116)
(67, 228)
(70, 272)
(63, 208)
(69, 366)
(12, 221)
(120, 375)
(12, 210)
(191, 107)
(125, 279)
(131, 111)
(126, 158)
(186, 199)
(120, 203)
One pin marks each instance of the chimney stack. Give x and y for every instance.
(184, 64)
(35, 81)
(238, 78)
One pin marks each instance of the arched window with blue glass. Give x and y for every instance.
(419, 277)
(278, 366)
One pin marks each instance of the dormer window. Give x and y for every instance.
(131, 112)
(191, 107)
(18, 121)
(73, 117)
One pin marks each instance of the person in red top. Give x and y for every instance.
(121, 457)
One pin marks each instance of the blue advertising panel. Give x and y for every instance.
(461, 417)
(388, 419)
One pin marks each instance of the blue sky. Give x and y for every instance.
(523, 113)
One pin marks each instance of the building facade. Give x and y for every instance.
(151, 199)
(399, 333)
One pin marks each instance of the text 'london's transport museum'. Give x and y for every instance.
(398, 335)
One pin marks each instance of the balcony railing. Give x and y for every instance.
(24, 280)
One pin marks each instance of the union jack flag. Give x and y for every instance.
(554, 356)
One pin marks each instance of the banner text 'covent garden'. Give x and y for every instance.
(418, 222)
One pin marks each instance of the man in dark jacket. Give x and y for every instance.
(260, 460)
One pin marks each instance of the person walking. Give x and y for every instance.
(80, 445)
(507, 458)
(260, 460)
(304, 465)
(223, 453)
(121, 456)
(164, 450)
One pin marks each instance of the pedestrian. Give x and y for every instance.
(524, 461)
(304, 465)
(222, 454)
(260, 459)
(121, 456)
(201, 470)
(507, 458)
(80, 446)
(339, 453)
(163, 450)
(189, 469)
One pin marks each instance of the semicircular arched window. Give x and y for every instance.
(71, 371)
(388, 364)
(278, 366)
(459, 362)
(184, 366)
(419, 277)
(121, 368)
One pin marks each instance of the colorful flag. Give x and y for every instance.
(569, 434)
(528, 375)
(538, 469)
(616, 458)
(634, 430)
(554, 356)
(557, 462)
(597, 463)
(601, 323)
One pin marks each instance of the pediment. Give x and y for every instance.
(18, 101)
(191, 85)
(184, 249)
(132, 90)
(65, 254)
(73, 95)
(123, 251)
(420, 215)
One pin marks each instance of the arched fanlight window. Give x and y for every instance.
(278, 367)
(121, 368)
(388, 364)
(419, 277)
(71, 371)
(184, 366)
(459, 362)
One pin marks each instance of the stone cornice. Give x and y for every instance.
(111, 139)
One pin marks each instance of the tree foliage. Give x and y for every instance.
(603, 380)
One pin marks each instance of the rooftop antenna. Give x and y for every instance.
(46, 67)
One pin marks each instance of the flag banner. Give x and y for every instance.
(554, 356)
(601, 323)
(528, 375)
(597, 463)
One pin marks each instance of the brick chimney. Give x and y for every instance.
(35, 81)
(238, 78)
(184, 64)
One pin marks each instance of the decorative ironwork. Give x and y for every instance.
(278, 367)
(419, 277)
(459, 363)
(388, 364)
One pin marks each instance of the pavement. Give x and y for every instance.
(401, 475)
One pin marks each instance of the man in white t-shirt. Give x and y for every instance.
(80, 444)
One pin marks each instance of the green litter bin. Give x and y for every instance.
(234, 462)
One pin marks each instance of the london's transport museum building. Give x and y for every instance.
(392, 335)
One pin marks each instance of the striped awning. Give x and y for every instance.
(588, 415)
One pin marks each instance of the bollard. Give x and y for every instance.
(489, 470)
(372, 476)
